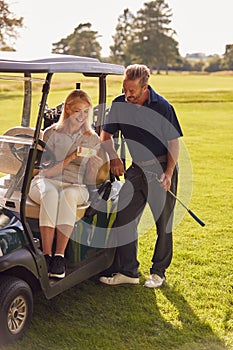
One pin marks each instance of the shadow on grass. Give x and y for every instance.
(192, 333)
(91, 316)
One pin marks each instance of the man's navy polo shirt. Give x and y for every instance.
(147, 128)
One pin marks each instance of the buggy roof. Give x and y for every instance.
(11, 62)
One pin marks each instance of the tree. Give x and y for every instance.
(228, 57)
(119, 50)
(82, 42)
(170, 53)
(153, 36)
(214, 64)
(8, 27)
(198, 65)
(147, 38)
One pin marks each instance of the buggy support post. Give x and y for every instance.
(102, 101)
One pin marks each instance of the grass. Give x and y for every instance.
(194, 310)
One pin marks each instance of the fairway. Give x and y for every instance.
(194, 309)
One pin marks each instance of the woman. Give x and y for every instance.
(61, 188)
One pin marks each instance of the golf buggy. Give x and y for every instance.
(23, 267)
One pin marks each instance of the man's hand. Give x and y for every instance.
(117, 167)
(116, 164)
(165, 181)
(172, 157)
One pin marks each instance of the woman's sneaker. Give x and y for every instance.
(57, 267)
(48, 260)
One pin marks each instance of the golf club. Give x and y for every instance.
(194, 216)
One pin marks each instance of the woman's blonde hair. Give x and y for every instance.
(69, 101)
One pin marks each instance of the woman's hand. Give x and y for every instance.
(72, 156)
(59, 166)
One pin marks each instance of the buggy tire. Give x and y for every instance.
(16, 308)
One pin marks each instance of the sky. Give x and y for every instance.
(203, 26)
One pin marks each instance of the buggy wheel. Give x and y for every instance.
(16, 308)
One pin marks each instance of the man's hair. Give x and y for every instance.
(138, 71)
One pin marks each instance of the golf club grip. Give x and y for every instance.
(196, 218)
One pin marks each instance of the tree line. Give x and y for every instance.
(146, 37)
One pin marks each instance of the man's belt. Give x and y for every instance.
(160, 159)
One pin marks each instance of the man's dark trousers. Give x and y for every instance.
(139, 188)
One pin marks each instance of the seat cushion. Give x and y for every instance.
(32, 208)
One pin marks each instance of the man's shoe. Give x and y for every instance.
(154, 281)
(118, 278)
(57, 267)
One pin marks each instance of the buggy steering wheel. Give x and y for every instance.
(45, 157)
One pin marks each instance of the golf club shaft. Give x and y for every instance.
(195, 217)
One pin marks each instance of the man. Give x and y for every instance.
(151, 131)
